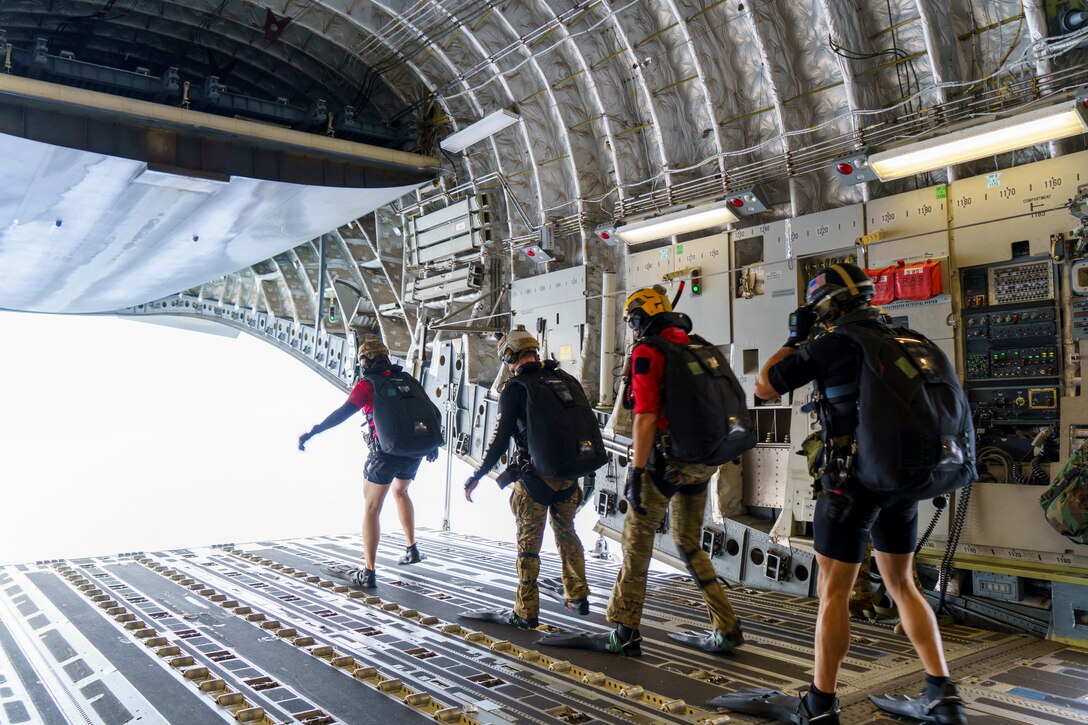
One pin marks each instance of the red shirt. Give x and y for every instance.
(648, 375)
(362, 396)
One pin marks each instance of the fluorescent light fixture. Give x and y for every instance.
(680, 222)
(987, 139)
(484, 128)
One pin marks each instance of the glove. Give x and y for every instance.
(470, 486)
(512, 474)
(801, 321)
(303, 438)
(432, 456)
(632, 489)
(588, 484)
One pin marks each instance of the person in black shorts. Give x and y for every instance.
(847, 513)
(381, 472)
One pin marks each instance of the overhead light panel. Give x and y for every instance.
(747, 202)
(680, 222)
(976, 142)
(486, 127)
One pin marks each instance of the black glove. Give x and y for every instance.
(632, 489)
(303, 438)
(801, 321)
(470, 486)
(432, 456)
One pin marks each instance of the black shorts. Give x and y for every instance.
(892, 522)
(382, 468)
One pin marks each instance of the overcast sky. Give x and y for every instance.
(117, 435)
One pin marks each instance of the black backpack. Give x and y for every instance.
(564, 436)
(704, 403)
(407, 423)
(915, 437)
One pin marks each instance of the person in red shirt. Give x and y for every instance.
(381, 469)
(657, 482)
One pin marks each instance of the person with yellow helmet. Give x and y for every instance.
(659, 481)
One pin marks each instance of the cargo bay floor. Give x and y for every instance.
(255, 633)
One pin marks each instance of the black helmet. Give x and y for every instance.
(838, 288)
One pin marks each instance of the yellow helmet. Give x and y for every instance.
(644, 304)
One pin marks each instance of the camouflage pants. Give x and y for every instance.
(531, 517)
(686, 523)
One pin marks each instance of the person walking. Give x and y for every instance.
(403, 427)
(558, 439)
(677, 446)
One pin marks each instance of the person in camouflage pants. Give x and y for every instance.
(654, 482)
(686, 523)
(534, 496)
(531, 517)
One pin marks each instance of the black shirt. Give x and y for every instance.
(512, 423)
(832, 361)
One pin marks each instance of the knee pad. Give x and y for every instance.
(528, 567)
(689, 556)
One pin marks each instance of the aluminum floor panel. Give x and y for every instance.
(255, 633)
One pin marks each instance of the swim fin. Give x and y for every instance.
(501, 616)
(594, 642)
(775, 705)
(947, 710)
(710, 640)
(553, 589)
(358, 578)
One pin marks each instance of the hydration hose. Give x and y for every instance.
(954, 531)
(679, 291)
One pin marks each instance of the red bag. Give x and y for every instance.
(883, 283)
(918, 281)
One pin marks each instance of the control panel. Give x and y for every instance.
(1011, 337)
(1024, 282)
(1079, 311)
(1015, 406)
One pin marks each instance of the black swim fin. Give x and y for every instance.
(553, 589)
(501, 616)
(710, 640)
(594, 642)
(775, 705)
(947, 710)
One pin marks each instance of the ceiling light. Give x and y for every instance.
(484, 128)
(988, 139)
(680, 222)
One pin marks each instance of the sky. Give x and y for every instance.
(118, 436)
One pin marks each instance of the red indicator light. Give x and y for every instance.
(530, 252)
(844, 168)
(737, 202)
(605, 235)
